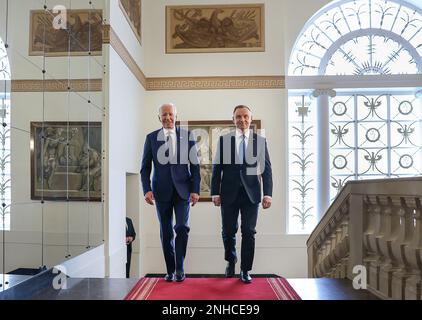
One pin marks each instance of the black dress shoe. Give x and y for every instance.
(169, 277)
(180, 276)
(230, 270)
(245, 277)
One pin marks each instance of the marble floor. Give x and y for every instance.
(329, 289)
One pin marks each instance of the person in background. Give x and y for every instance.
(130, 237)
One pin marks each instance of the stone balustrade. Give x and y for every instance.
(375, 225)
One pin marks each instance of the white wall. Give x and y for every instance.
(276, 251)
(286, 253)
(159, 63)
(126, 107)
(132, 114)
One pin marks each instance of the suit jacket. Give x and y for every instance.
(228, 173)
(184, 174)
(130, 232)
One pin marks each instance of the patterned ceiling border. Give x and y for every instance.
(61, 85)
(215, 83)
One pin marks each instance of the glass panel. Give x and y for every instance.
(381, 138)
(23, 243)
(52, 157)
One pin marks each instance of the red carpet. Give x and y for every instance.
(213, 289)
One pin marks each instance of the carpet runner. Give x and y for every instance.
(213, 289)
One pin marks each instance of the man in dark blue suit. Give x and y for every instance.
(175, 183)
(241, 162)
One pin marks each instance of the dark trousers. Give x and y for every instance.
(174, 251)
(248, 217)
(128, 258)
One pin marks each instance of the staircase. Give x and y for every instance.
(371, 235)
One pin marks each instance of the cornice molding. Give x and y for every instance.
(60, 85)
(127, 58)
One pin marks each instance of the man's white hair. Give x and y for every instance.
(167, 104)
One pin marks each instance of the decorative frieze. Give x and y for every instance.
(62, 85)
(215, 83)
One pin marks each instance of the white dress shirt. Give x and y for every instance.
(171, 132)
(239, 139)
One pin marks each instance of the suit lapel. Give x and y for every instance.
(234, 154)
(253, 143)
(178, 144)
(160, 137)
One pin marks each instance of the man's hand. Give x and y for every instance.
(129, 240)
(266, 202)
(194, 197)
(149, 198)
(216, 200)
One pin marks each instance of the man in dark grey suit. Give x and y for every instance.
(241, 162)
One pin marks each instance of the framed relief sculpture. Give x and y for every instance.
(85, 28)
(66, 161)
(207, 134)
(132, 10)
(215, 28)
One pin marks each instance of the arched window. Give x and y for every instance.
(5, 196)
(360, 37)
(373, 131)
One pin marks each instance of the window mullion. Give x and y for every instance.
(356, 137)
(389, 134)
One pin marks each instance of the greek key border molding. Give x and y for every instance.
(215, 83)
(60, 85)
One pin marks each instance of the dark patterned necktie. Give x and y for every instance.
(243, 149)
(170, 150)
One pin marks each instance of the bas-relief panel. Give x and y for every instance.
(215, 28)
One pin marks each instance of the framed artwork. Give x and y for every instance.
(207, 134)
(132, 10)
(83, 36)
(66, 161)
(215, 28)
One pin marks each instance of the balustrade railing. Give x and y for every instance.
(374, 225)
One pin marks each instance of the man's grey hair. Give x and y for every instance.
(167, 104)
